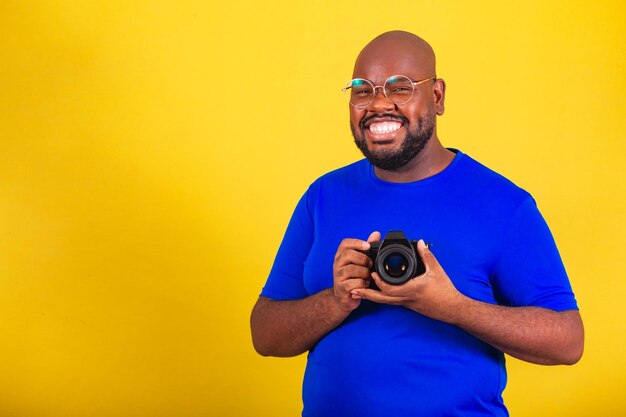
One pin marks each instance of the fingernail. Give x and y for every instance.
(422, 244)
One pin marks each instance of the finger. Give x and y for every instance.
(384, 287)
(352, 257)
(352, 271)
(376, 296)
(427, 256)
(351, 251)
(374, 237)
(355, 284)
(351, 287)
(356, 244)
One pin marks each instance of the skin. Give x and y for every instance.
(402, 53)
(289, 328)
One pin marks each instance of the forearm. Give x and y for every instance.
(531, 334)
(289, 328)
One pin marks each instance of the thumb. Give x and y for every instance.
(374, 237)
(427, 256)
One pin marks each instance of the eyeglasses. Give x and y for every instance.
(397, 88)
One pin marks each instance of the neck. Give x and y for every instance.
(433, 159)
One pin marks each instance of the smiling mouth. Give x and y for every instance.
(380, 128)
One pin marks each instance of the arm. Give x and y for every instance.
(532, 334)
(289, 328)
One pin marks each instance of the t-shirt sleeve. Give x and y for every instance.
(285, 281)
(529, 270)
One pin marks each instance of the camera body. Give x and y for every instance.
(395, 259)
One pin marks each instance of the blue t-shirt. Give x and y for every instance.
(383, 360)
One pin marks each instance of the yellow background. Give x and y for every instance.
(151, 153)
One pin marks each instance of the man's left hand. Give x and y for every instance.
(532, 334)
(432, 294)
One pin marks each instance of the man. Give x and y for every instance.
(494, 281)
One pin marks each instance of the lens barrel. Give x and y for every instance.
(395, 259)
(395, 263)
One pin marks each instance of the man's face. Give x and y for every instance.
(391, 135)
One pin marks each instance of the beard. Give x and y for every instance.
(413, 143)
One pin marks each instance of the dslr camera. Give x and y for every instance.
(395, 259)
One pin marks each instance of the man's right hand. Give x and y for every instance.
(291, 327)
(352, 270)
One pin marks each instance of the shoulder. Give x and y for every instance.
(349, 172)
(350, 175)
(488, 183)
(339, 182)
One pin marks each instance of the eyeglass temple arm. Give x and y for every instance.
(423, 81)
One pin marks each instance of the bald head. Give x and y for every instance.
(398, 135)
(397, 52)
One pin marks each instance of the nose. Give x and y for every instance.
(380, 103)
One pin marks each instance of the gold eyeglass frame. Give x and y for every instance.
(382, 87)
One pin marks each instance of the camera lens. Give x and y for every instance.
(396, 264)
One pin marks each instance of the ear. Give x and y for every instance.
(439, 92)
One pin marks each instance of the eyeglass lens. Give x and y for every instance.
(398, 89)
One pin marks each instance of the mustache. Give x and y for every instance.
(366, 119)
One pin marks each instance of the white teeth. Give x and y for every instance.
(384, 127)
